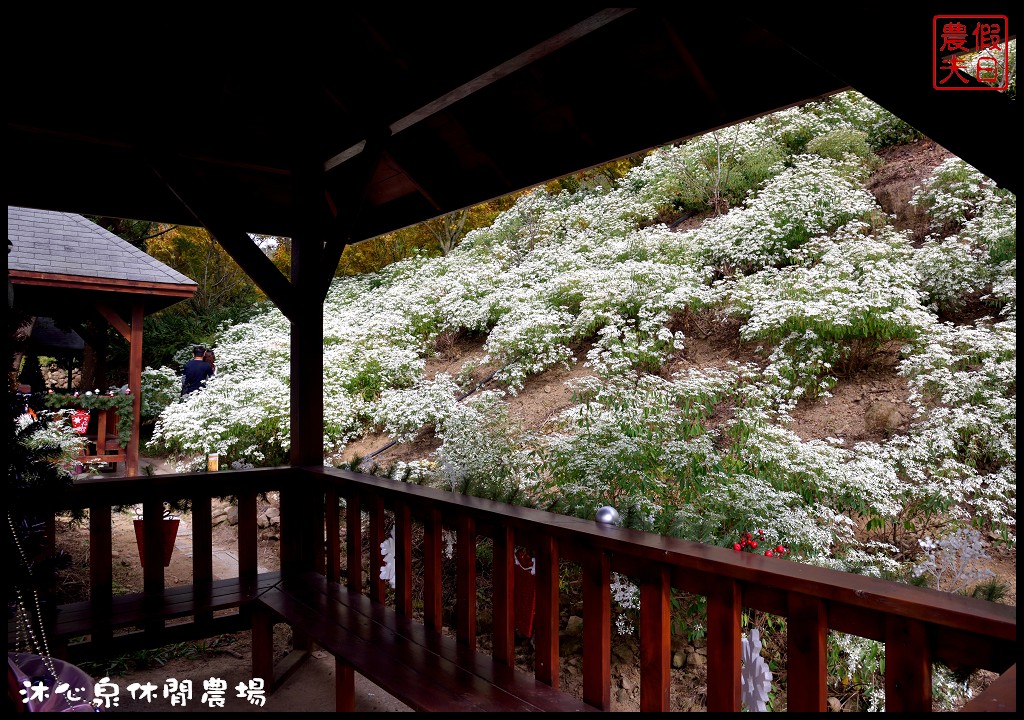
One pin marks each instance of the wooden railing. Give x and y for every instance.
(918, 626)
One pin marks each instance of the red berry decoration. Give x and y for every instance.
(768, 553)
(737, 547)
(753, 544)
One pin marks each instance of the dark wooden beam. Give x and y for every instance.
(118, 323)
(244, 251)
(235, 241)
(348, 211)
(524, 59)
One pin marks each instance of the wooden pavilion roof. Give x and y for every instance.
(62, 264)
(352, 124)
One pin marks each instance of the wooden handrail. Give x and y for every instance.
(919, 626)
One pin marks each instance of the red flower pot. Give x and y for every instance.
(170, 528)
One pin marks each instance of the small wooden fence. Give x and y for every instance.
(918, 626)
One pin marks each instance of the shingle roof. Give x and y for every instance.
(64, 243)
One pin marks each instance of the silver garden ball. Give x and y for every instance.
(607, 515)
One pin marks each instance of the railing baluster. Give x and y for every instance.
(332, 524)
(465, 582)
(432, 566)
(655, 641)
(806, 637)
(353, 542)
(908, 666)
(247, 530)
(202, 539)
(377, 535)
(101, 573)
(202, 547)
(545, 627)
(153, 568)
(724, 610)
(597, 630)
(502, 594)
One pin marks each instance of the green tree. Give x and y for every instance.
(225, 294)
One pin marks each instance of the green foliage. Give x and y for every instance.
(888, 130)
(717, 171)
(843, 142)
(856, 669)
(119, 401)
(368, 380)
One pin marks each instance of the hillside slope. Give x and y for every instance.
(866, 406)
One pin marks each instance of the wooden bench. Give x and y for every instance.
(86, 630)
(420, 667)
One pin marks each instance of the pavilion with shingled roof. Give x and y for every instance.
(66, 267)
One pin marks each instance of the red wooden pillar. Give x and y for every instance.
(131, 465)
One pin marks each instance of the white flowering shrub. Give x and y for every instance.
(954, 193)
(402, 412)
(715, 170)
(529, 338)
(625, 596)
(995, 228)
(637, 443)
(160, 388)
(846, 144)
(950, 270)
(482, 453)
(861, 294)
(626, 345)
(813, 197)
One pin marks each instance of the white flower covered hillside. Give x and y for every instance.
(720, 291)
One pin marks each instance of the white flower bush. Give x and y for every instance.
(954, 193)
(402, 412)
(813, 197)
(950, 271)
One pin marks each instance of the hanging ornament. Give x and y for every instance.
(755, 677)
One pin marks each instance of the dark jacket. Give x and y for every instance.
(194, 375)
